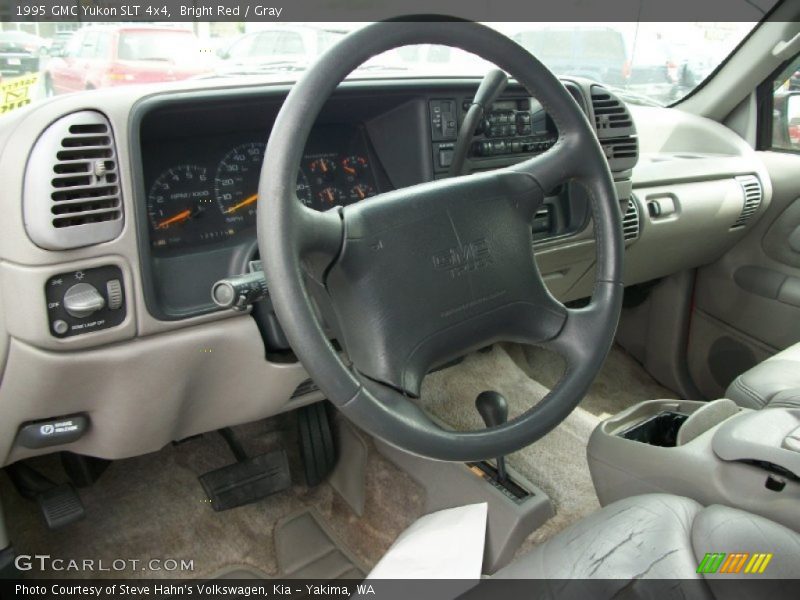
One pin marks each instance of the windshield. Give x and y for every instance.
(646, 63)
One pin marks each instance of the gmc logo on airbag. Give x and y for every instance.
(464, 258)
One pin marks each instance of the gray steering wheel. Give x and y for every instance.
(421, 275)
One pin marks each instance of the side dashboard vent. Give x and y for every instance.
(72, 189)
(622, 154)
(611, 117)
(631, 221)
(753, 194)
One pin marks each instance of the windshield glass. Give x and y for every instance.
(647, 63)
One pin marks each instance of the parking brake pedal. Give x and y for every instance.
(248, 479)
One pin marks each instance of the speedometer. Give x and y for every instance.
(236, 184)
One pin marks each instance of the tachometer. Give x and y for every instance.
(177, 205)
(236, 184)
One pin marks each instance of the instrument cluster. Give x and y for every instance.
(202, 196)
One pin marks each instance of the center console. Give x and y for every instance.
(714, 452)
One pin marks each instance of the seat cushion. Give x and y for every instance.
(641, 536)
(663, 537)
(757, 387)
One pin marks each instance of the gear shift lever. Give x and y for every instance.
(494, 410)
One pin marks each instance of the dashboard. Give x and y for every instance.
(149, 201)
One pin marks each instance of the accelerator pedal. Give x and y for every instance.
(316, 442)
(247, 481)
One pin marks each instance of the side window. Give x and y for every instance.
(242, 48)
(786, 108)
(289, 43)
(265, 43)
(89, 45)
(101, 50)
(73, 46)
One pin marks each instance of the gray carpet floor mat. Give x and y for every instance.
(557, 462)
(153, 506)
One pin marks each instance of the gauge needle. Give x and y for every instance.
(350, 170)
(181, 216)
(246, 202)
(361, 193)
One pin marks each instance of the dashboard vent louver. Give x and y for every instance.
(72, 189)
(621, 154)
(630, 221)
(753, 194)
(611, 116)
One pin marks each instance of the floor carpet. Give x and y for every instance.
(557, 462)
(152, 506)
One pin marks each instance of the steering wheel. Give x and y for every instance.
(421, 275)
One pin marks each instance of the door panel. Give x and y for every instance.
(747, 304)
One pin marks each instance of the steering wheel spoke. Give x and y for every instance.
(319, 239)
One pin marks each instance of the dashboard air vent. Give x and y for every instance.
(751, 188)
(72, 189)
(630, 221)
(611, 116)
(621, 154)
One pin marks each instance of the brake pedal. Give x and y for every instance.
(60, 506)
(316, 442)
(247, 481)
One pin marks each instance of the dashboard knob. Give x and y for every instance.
(82, 300)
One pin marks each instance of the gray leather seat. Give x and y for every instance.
(774, 382)
(659, 536)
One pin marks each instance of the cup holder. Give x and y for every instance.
(659, 430)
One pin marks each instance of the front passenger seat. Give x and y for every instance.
(772, 383)
(660, 536)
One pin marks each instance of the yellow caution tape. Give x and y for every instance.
(16, 92)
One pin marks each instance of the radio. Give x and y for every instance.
(512, 128)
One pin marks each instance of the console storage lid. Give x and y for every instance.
(767, 436)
